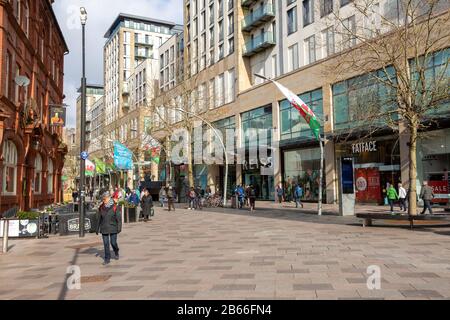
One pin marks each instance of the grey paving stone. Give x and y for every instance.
(313, 286)
(173, 294)
(418, 275)
(421, 294)
(138, 278)
(293, 271)
(233, 287)
(123, 289)
(183, 281)
(206, 268)
(239, 276)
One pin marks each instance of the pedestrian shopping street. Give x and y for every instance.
(274, 253)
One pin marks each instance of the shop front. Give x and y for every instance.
(376, 164)
(433, 162)
(302, 166)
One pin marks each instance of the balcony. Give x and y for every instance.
(141, 54)
(258, 44)
(125, 90)
(247, 3)
(260, 16)
(144, 42)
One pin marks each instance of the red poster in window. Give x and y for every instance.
(361, 185)
(440, 190)
(373, 185)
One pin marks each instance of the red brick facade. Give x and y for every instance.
(31, 45)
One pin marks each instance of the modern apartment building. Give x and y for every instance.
(298, 43)
(94, 93)
(171, 62)
(94, 128)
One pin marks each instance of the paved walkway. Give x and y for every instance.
(232, 254)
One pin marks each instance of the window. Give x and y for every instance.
(326, 7)
(8, 74)
(308, 12)
(274, 66)
(220, 31)
(230, 45)
(293, 57)
(344, 2)
(221, 51)
(348, 32)
(37, 174)
(211, 94)
(292, 20)
(9, 174)
(17, 88)
(18, 11)
(50, 176)
(328, 39)
(27, 19)
(310, 49)
(220, 90)
(230, 24)
(203, 21)
(230, 86)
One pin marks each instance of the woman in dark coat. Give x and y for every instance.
(109, 225)
(146, 205)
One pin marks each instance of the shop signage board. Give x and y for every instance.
(361, 147)
(347, 175)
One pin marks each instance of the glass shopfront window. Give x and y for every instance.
(293, 126)
(433, 163)
(223, 125)
(256, 132)
(377, 163)
(358, 100)
(302, 166)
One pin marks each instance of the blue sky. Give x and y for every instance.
(101, 14)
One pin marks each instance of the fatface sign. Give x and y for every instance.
(370, 146)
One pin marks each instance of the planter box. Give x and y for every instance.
(21, 228)
(130, 215)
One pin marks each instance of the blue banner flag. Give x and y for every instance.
(123, 157)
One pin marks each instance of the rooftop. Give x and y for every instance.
(122, 16)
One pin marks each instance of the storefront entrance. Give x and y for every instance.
(376, 163)
(264, 185)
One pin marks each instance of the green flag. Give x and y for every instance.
(155, 159)
(100, 166)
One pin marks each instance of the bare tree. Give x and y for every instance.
(392, 47)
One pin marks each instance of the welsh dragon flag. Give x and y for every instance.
(304, 110)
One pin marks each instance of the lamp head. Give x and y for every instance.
(83, 15)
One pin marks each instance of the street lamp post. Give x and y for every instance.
(83, 18)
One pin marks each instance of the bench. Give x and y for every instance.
(368, 217)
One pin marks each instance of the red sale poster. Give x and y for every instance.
(373, 185)
(361, 185)
(440, 190)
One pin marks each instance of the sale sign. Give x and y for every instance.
(440, 190)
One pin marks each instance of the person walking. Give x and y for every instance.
(241, 195)
(251, 197)
(109, 225)
(427, 195)
(147, 205)
(289, 192)
(171, 198)
(392, 195)
(191, 198)
(298, 193)
(280, 193)
(402, 197)
(162, 196)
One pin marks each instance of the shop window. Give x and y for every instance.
(292, 123)
(9, 168)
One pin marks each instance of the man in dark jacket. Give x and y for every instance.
(426, 194)
(109, 225)
(146, 205)
(171, 198)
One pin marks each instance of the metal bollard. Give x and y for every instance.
(5, 235)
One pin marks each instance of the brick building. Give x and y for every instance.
(32, 152)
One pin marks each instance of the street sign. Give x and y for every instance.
(84, 155)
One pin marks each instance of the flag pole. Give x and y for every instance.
(321, 141)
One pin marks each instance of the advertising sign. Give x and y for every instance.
(440, 190)
(347, 175)
(73, 225)
(21, 228)
(368, 185)
(57, 116)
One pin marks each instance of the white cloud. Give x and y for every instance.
(101, 14)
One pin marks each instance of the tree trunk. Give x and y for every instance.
(190, 168)
(412, 210)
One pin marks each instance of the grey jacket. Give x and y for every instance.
(109, 221)
(427, 193)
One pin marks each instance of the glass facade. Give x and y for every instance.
(293, 126)
(257, 131)
(433, 163)
(358, 100)
(303, 166)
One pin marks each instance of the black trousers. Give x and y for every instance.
(402, 203)
(106, 238)
(427, 205)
